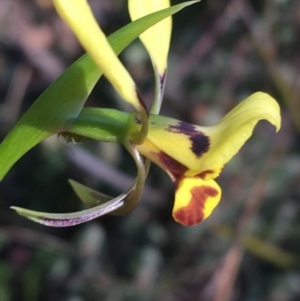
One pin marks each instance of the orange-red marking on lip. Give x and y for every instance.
(203, 174)
(193, 213)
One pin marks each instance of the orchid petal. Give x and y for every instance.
(157, 42)
(157, 38)
(78, 15)
(204, 150)
(71, 219)
(195, 200)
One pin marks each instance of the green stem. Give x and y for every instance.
(133, 198)
(107, 125)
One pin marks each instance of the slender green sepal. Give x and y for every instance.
(71, 219)
(89, 196)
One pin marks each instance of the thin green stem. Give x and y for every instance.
(107, 125)
(142, 166)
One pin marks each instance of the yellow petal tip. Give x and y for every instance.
(265, 107)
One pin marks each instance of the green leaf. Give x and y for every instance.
(61, 103)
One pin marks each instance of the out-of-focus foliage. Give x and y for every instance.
(221, 52)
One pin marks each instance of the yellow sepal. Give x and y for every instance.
(195, 199)
(78, 15)
(157, 38)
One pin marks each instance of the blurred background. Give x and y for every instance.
(248, 250)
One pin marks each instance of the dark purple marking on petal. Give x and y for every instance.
(183, 128)
(72, 221)
(65, 222)
(162, 79)
(173, 166)
(200, 142)
(141, 101)
(138, 119)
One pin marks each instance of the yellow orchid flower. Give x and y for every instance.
(194, 156)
